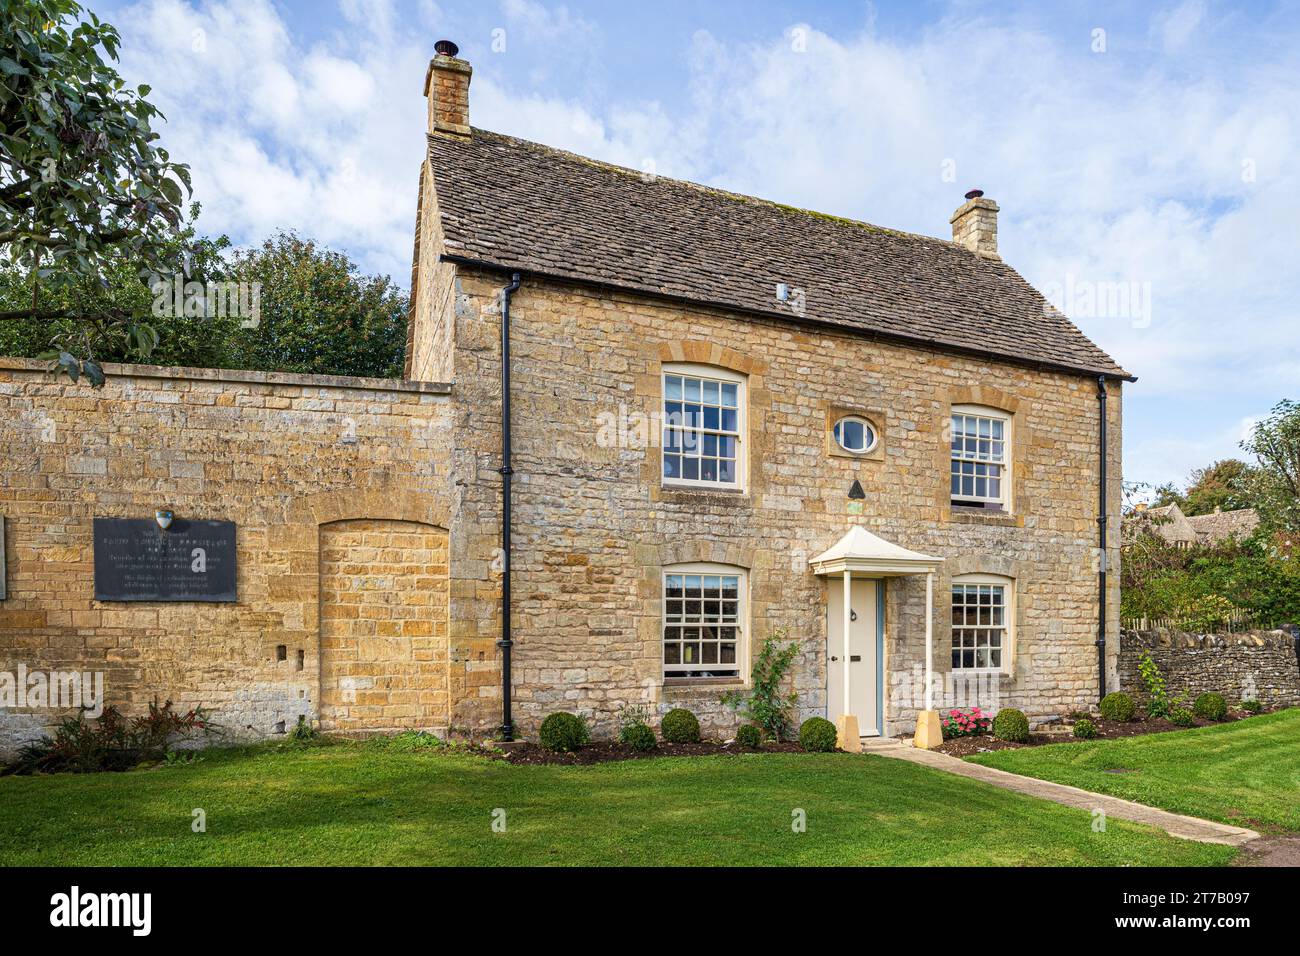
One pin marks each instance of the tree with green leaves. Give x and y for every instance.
(177, 340)
(85, 190)
(319, 314)
(1167, 494)
(1272, 486)
(1216, 488)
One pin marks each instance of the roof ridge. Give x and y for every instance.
(830, 218)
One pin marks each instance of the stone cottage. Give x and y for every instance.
(1186, 531)
(726, 420)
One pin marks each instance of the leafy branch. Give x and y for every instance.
(84, 184)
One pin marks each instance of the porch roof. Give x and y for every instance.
(861, 551)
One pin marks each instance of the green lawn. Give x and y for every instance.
(1247, 773)
(369, 804)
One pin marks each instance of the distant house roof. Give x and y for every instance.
(1177, 528)
(510, 204)
(1221, 525)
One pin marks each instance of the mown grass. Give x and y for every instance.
(367, 804)
(1246, 773)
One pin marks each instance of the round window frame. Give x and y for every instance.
(867, 424)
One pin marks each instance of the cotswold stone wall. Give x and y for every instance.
(286, 457)
(1259, 665)
(594, 528)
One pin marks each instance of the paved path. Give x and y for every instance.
(1189, 828)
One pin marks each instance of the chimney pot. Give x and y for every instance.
(975, 225)
(446, 84)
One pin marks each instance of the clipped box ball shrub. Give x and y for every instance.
(749, 736)
(1118, 707)
(1085, 729)
(638, 737)
(817, 735)
(1182, 717)
(1210, 707)
(1011, 724)
(563, 732)
(680, 726)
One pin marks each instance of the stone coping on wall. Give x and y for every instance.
(1166, 638)
(244, 376)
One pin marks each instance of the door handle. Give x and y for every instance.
(835, 658)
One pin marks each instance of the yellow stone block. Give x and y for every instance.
(847, 737)
(929, 733)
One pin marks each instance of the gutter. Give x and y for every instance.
(1102, 536)
(820, 324)
(507, 724)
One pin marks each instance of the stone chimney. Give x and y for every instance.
(446, 84)
(975, 225)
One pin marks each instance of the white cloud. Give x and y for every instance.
(324, 139)
(1176, 26)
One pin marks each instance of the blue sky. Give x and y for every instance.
(1146, 156)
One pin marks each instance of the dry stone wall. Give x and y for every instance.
(1258, 665)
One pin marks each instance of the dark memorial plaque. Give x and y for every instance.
(136, 560)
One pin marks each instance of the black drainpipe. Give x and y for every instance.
(1101, 528)
(507, 725)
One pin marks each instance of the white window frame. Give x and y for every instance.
(976, 458)
(1007, 627)
(707, 373)
(681, 622)
(866, 424)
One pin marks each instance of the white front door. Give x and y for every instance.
(860, 657)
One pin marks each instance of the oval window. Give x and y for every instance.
(855, 434)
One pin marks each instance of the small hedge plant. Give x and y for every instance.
(563, 732)
(303, 732)
(680, 726)
(817, 735)
(634, 728)
(1251, 706)
(749, 736)
(1085, 729)
(1210, 707)
(1011, 724)
(1182, 717)
(639, 737)
(1118, 707)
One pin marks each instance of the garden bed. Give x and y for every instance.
(608, 751)
(1060, 733)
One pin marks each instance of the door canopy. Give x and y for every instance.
(861, 552)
